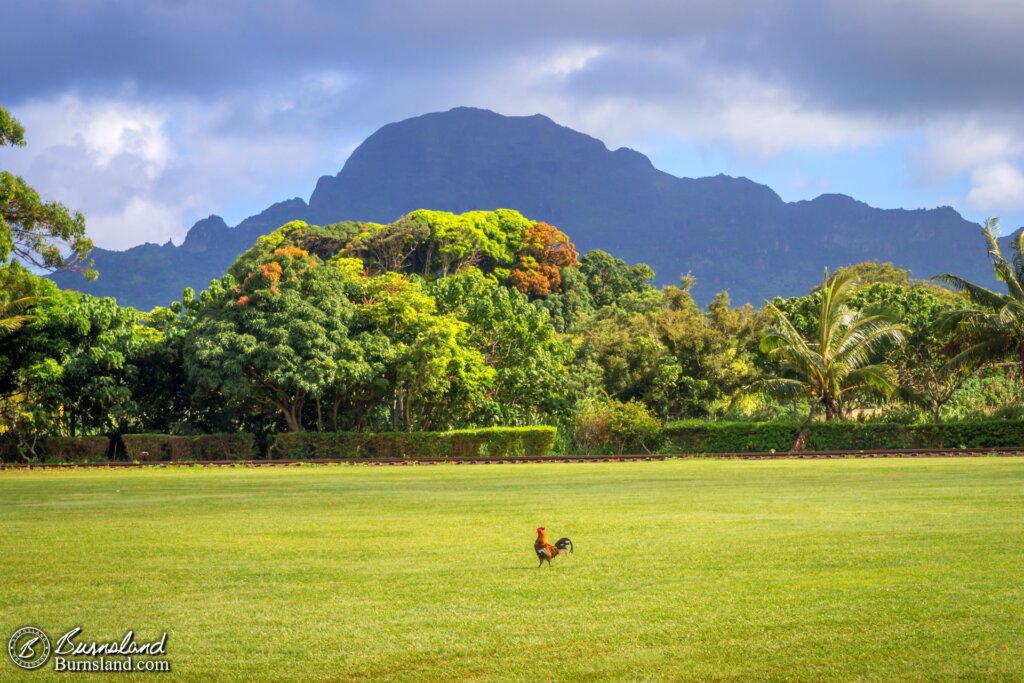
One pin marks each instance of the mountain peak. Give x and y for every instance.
(731, 233)
(436, 158)
(204, 234)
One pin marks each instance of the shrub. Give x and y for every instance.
(726, 437)
(56, 448)
(615, 427)
(462, 443)
(733, 437)
(77, 448)
(147, 447)
(1010, 412)
(168, 447)
(9, 451)
(237, 446)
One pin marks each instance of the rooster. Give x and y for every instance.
(545, 551)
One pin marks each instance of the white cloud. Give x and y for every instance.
(138, 220)
(104, 128)
(959, 145)
(142, 171)
(104, 157)
(566, 61)
(762, 120)
(996, 188)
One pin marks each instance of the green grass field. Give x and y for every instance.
(702, 570)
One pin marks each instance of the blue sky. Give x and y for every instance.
(148, 116)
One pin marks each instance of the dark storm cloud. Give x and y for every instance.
(199, 46)
(914, 56)
(873, 54)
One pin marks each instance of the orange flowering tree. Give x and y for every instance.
(546, 250)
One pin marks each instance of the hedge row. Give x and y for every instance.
(62, 448)
(489, 442)
(164, 447)
(730, 437)
(679, 437)
(142, 447)
(495, 441)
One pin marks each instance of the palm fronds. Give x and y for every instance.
(992, 329)
(12, 316)
(840, 360)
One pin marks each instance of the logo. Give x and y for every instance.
(29, 648)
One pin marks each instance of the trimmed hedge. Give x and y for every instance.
(58, 449)
(463, 443)
(168, 447)
(77, 448)
(726, 437)
(732, 437)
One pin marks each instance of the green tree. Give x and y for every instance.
(634, 361)
(20, 292)
(278, 339)
(921, 364)
(389, 247)
(393, 313)
(444, 378)
(72, 369)
(45, 235)
(837, 363)
(517, 339)
(715, 350)
(991, 328)
(12, 133)
(925, 379)
(610, 280)
(86, 371)
(418, 359)
(601, 282)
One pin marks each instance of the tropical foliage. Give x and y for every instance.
(442, 321)
(990, 327)
(840, 360)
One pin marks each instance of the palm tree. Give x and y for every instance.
(12, 316)
(992, 328)
(839, 361)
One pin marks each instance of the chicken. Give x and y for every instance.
(545, 551)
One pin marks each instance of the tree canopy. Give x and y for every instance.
(46, 235)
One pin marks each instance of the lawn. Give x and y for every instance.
(702, 570)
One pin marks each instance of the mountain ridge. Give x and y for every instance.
(730, 232)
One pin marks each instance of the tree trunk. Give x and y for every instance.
(831, 408)
(335, 407)
(292, 413)
(801, 436)
(293, 421)
(428, 268)
(406, 413)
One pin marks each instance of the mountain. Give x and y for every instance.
(731, 233)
